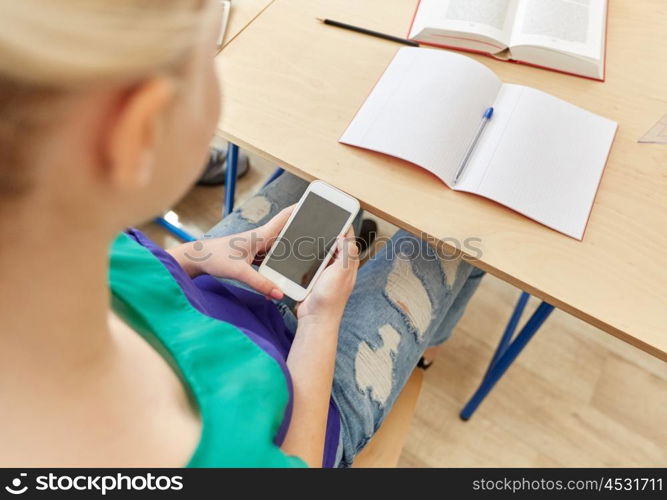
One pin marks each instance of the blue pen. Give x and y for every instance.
(471, 147)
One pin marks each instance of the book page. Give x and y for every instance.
(573, 26)
(490, 18)
(425, 109)
(546, 160)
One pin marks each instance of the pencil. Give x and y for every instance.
(365, 31)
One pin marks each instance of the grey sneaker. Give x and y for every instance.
(216, 168)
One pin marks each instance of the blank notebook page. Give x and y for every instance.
(425, 109)
(538, 155)
(548, 160)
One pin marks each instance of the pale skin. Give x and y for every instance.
(79, 387)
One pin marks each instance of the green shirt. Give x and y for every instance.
(240, 390)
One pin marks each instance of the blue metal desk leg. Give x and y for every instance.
(276, 173)
(230, 179)
(508, 350)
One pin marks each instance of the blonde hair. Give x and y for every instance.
(51, 47)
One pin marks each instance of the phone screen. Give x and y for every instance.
(299, 253)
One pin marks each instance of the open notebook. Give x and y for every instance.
(563, 35)
(538, 155)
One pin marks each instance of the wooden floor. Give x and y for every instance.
(575, 397)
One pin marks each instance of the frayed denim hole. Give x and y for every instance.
(374, 368)
(407, 294)
(256, 209)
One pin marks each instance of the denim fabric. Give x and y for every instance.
(406, 299)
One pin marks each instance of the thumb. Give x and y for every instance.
(260, 283)
(270, 231)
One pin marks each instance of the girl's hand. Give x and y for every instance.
(312, 357)
(232, 257)
(326, 301)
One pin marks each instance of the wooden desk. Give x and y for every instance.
(242, 14)
(291, 86)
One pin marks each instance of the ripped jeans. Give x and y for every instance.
(406, 299)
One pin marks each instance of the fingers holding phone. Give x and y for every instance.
(345, 263)
(333, 288)
(309, 240)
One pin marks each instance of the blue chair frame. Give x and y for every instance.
(175, 230)
(508, 348)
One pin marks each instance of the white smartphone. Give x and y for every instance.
(307, 242)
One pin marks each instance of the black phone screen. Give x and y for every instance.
(299, 253)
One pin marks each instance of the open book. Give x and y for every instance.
(563, 35)
(538, 155)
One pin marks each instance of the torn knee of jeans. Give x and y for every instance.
(255, 209)
(374, 369)
(450, 268)
(406, 292)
